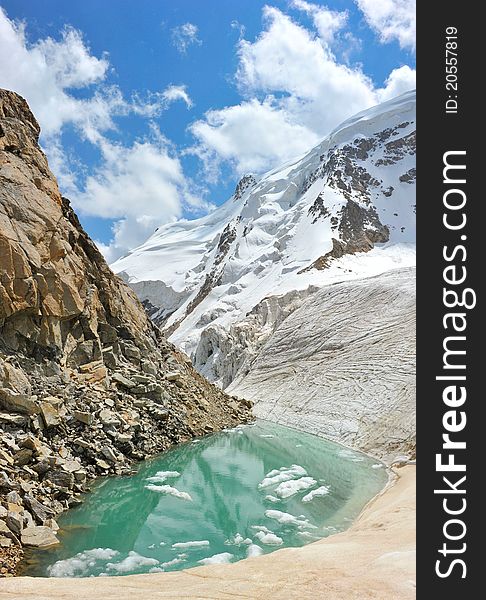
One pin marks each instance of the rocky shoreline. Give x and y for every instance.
(88, 384)
(51, 449)
(372, 560)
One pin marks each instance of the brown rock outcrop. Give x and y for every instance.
(86, 379)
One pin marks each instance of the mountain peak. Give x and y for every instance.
(344, 210)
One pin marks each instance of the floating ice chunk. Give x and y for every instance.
(132, 562)
(156, 570)
(283, 474)
(287, 519)
(162, 544)
(269, 539)
(323, 490)
(217, 559)
(79, 564)
(162, 476)
(294, 486)
(377, 466)
(175, 561)
(307, 535)
(237, 540)
(254, 550)
(271, 498)
(261, 528)
(169, 491)
(151, 547)
(195, 544)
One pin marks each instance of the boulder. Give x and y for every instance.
(50, 415)
(123, 381)
(39, 511)
(83, 417)
(17, 402)
(15, 522)
(39, 536)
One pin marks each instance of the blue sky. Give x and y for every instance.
(151, 110)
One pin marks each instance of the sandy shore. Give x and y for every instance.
(373, 560)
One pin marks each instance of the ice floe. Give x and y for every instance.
(323, 490)
(180, 558)
(237, 540)
(194, 544)
(287, 519)
(132, 562)
(217, 559)
(168, 490)
(271, 498)
(269, 539)
(283, 474)
(79, 565)
(294, 486)
(254, 550)
(162, 476)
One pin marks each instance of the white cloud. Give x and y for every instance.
(184, 36)
(252, 136)
(177, 92)
(239, 27)
(392, 20)
(140, 185)
(399, 81)
(327, 22)
(295, 92)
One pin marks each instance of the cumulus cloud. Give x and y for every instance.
(399, 81)
(184, 36)
(252, 135)
(142, 186)
(139, 185)
(327, 22)
(295, 91)
(177, 92)
(392, 20)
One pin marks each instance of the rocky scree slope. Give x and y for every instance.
(88, 384)
(345, 210)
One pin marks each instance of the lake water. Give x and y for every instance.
(238, 493)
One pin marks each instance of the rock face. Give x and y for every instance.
(87, 383)
(342, 364)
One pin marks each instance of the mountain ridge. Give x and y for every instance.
(307, 223)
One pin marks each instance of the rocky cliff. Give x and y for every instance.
(87, 383)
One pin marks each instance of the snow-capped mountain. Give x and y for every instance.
(344, 210)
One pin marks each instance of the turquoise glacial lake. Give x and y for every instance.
(238, 493)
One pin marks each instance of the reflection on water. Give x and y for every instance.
(209, 491)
